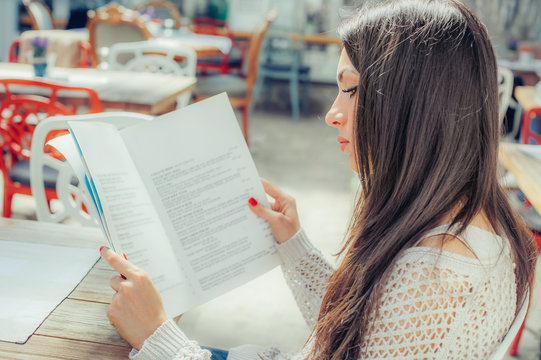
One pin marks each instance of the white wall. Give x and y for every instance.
(9, 17)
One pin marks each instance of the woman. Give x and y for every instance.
(436, 264)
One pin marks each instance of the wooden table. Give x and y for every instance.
(526, 97)
(529, 72)
(142, 92)
(58, 23)
(204, 45)
(526, 170)
(78, 328)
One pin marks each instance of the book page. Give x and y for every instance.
(34, 279)
(66, 145)
(200, 175)
(132, 221)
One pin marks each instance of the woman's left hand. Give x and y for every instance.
(136, 310)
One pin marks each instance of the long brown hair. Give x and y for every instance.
(426, 139)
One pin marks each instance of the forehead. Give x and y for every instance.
(345, 67)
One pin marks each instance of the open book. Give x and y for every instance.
(172, 194)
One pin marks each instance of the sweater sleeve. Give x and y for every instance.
(169, 342)
(306, 272)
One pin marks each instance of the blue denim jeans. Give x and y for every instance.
(217, 354)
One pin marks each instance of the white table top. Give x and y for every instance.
(533, 66)
(185, 37)
(154, 93)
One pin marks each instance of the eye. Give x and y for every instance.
(352, 91)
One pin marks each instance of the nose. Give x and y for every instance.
(335, 117)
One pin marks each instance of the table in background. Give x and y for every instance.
(316, 39)
(150, 93)
(533, 66)
(204, 45)
(78, 328)
(67, 47)
(528, 71)
(527, 171)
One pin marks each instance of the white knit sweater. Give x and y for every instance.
(435, 304)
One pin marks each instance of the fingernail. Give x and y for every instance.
(252, 201)
(101, 248)
(125, 257)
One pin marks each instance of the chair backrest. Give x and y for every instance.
(531, 127)
(68, 48)
(113, 24)
(513, 330)
(505, 91)
(281, 48)
(75, 203)
(251, 65)
(40, 14)
(154, 56)
(27, 102)
(163, 10)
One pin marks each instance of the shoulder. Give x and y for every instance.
(449, 243)
(477, 242)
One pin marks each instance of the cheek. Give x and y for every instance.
(350, 126)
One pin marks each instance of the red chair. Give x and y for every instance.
(239, 88)
(21, 109)
(513, 349)
(226, 63)
(14, 49)
(531, 127)
(530, 134)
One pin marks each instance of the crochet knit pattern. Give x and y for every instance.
(434, 304)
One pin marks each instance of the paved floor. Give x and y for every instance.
(304, 160)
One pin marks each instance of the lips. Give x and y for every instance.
(343, 142)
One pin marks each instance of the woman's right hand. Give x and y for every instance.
(282, 216)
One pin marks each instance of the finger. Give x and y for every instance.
(115, 282)
(261, 211)
(272, 190)
(117, 262)
(111, 312)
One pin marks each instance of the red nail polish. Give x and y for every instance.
(101, 248)
(252, 202)
(125, 257)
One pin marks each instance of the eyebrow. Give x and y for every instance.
(340, 76)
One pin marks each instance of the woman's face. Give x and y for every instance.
(342, 113)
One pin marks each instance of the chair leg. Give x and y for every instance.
(294, 97)
(306, 97)
(268, 93)
(257, 89)
(245, 123)
(6, 211)
(513, 349)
